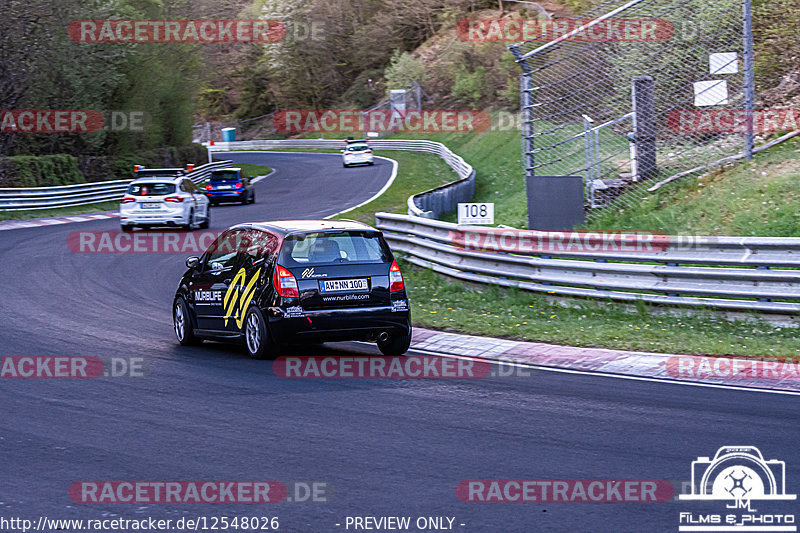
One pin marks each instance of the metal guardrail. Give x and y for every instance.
(15, 199)
(724, 273)
(429, 204)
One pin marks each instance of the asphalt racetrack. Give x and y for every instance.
(378, 447)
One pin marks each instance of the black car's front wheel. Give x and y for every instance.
(256, 336)
(182, 322)
(396, 344)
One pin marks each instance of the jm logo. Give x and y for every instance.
(738, 473)
(307, 273)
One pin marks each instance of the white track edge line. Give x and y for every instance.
(602, 374)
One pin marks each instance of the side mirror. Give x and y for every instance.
(192, 262)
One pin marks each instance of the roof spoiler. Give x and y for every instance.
(142, 172)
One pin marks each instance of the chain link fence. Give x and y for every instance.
(399, 101)
(636, 92)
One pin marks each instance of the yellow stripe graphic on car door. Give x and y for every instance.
(239, 293)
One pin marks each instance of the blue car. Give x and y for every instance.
(230, 185)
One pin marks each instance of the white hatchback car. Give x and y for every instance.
(357, 153)
(164, 201)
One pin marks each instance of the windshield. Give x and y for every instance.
(357, 147)
(151, 189)
(223, 175)
(331, 248)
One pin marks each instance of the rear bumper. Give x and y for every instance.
(231, 194)
(170, 218)
(361, 323)
(357, 160)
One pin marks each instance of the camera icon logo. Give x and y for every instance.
(738, 473)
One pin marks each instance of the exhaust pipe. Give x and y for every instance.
(383, 336)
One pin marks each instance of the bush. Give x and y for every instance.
(39, 171)
(104, 168)
(469, 87)
(403, 70)
(64, 169)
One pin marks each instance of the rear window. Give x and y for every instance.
(224, 175)
(327, 248)
(357, 147)
(151, 189)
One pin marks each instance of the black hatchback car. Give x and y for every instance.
(272, 284)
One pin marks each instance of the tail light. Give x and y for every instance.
(239, 185)
(367, 151)
(175, 199)
(127, 200)
(395, 278)
(348, 153)
(209, 187)
(285, 283)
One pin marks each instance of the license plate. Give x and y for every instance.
(342, 285)
(224, 186)
(147, 205)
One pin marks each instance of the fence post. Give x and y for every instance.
(644, 126)
(587, 149)
(749, 89)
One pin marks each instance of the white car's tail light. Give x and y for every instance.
(127, 200)
(175, 199)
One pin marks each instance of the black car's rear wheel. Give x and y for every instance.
(396, 344)
(256, 336)
(182, 322)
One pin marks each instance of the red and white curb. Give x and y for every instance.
(773, 375)
(37, 222)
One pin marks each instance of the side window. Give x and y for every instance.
(226, 249)
(259, 245)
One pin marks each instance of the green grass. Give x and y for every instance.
(441, 303)
(254, 170)
(416, 172)
(759, 198)
(495, 156)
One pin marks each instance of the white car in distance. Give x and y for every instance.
(357, 153)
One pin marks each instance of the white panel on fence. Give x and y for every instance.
(714, 92)
(474, 213)
(723, 63)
